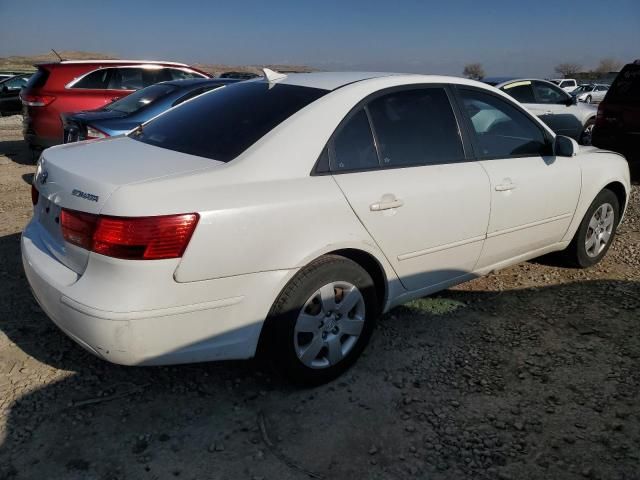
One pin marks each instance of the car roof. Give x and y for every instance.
(71, 63)
(327, 80)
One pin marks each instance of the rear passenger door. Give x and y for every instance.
(400, 162)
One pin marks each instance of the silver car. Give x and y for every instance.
(590, 92)
(555, 107)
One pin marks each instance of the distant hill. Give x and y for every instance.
(25, 63)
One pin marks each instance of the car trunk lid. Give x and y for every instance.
(82, 176)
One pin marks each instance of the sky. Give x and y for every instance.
(507, 37)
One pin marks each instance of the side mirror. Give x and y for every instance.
(572, 100)
(565, 147)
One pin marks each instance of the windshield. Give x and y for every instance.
(225, 122)
(141, 98)
(583, 89)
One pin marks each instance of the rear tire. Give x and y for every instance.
(314, 337)
(596, 231)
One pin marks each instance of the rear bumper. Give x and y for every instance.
(144, 317)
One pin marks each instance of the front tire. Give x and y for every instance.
(587, 132)
(596, 232)
(322, 320)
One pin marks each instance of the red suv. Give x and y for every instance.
(71, 86)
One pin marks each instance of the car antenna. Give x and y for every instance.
(271, 75)
(57, 55)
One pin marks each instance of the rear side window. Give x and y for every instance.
(38, 79)
(626, 86)
(353, 147)
(501, 130)
(521, 91)
(98, 79)
(182, 75)
(416, 127)
(224, 123)
(140, 99)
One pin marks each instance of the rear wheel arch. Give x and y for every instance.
(361, 257)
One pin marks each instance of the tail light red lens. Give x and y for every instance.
(35, 194)
(132, 238)
(93, 132)
(37, 100)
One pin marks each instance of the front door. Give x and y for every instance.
(425, 205)
(533, 193)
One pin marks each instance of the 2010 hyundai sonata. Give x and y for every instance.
(291, 211)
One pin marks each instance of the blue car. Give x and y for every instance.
(128, 113)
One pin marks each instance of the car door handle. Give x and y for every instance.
(386, 204)
(505, 187)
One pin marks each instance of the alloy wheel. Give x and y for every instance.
(599, 230)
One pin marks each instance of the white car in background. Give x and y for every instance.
(293, 210)
(552, 105)
(566, 84)
(590, 93)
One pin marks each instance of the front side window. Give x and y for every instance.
(416, 127)
(501, 130)
(249, 111)
(353, 147)
(548, 93)
(98, 79)
(521, 91)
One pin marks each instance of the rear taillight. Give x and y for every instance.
(132, 238)
(37, 100)
(35, 194)
(93, 132)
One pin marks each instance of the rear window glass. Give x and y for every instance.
(222, 124)
(626, 86)
(38, 79)
(140, 99)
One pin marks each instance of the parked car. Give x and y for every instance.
(566, 84)
(292, 211)
(130, 112)
(9, 94)
(239, 75)
(618, 121)
(74, 85)
(552, 105)
(590, 93)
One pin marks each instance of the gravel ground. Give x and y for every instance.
(530, 373)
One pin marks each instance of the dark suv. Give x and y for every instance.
(618, 121)
(71, 86)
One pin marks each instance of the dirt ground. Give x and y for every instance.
(531, 373)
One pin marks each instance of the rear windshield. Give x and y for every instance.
(626, 86)
(141, 98)
(225, 122)
(38, 79)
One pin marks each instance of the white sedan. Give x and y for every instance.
(291, 211)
